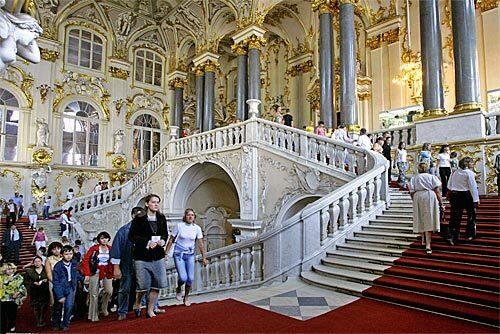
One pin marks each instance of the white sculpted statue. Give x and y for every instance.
(42, 133)
(125, 23)
(118, 145)
(40, 177)
(18, 34)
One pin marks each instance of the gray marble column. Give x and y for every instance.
(254, 73)
(179, 107)
(432, 58)
(200, 92)
(209, 98)
(467, 88)
(241, 112)
(326, 70)
(348, 111)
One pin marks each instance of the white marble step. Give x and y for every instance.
(380, 242)
(391, 217)
(399, 212)
(334, 283)
(388, 228)
(371, 249)
(386, 235)
(349, 275)
(355, 265)
(361, 256)
(391, 223)
(399, 206)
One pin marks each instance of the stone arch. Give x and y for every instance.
(295, 205)
(90, 100)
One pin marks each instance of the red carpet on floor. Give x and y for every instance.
(231, 316)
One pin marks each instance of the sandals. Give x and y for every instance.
(428, 251)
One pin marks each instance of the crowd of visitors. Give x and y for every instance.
(75, 282)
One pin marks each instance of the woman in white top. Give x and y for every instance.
(427, 201)
(185, 236)
(402, 164)
(65, 223)
(444, 167)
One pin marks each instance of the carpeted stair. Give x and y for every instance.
(27, 251)
(386, 261)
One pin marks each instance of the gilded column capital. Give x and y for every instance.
(348, 2)
(323, 6)
(210, 66)
(255, 42)
(199, 70)
(177, 82)
(239, 48)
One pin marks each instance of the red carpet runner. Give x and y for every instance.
(27, 252)
(461, 281)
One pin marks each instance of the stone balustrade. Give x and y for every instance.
(406, 134)
(95, 200)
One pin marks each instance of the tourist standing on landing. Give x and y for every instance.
(149, 234)
(185, 236)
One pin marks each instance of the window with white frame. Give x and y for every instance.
(9, 125)
(80, 138)
(146, 139)
(148, 67)
(84, 49)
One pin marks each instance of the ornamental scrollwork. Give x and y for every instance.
(16, 175)
(79, 176)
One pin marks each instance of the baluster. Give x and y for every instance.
(224, 270)
(313, 149)
(360, 163)
(241, 135)
(400, 137)
(225, 141)
(324, 222)
(198, 277)
(296, 140)
(409, 136)
(235, 264)
(246, 261)
(370, 189)
(344, 210)
(257, 262)
(340, 156)
(215, 272)
(322, 152)
(353, 204)
(362, 199)
(334, 217)
(206, 275)
(492, 125)
(378, 189)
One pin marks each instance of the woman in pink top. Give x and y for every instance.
(320, 129)
(39, 239)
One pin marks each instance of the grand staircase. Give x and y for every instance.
(386, 261)
(27, 251)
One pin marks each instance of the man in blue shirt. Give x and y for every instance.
(123, 267)
(18, 201)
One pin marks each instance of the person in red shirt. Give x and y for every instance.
(97, 267)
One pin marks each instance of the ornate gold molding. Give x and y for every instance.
(119, 73)
(467, 107)
(119, 162)
(353, 128)
(16, 175)
(80, 177)
(119, 176)
(390, 36)
(199, 70)
(255, 42)
(302, 68)
(240, 48)
(49, 55)
(323, 6)
(210, 66)
(485, 5)
(42, 156)
(490, 152)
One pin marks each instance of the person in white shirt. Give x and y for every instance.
(363, 140)
(70, 195)
(401, 162)
(46, 207)
(444, 167)
(340, 134)
(464, 195)
(185, 236)
(65, 223)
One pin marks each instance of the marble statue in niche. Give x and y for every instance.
(125, 23)
(118, 141)
(40, 177)
(18, 34)
(42, 133)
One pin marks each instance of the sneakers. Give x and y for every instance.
(451, 242)
(122, 317)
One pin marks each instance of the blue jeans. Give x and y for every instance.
(46, 212)
(57, 311)
(184, 263)
(124, 293)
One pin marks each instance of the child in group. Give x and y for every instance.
(64, 280)
(454, 161)
(42, 252)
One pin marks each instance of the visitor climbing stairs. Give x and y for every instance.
(386, 261)
(27, 251)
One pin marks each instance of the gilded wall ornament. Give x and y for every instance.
(491, 151)
(485, 5)
(24, 80)
(42, 156)
(44, 91)
(119, 73)
(119, 176)
(119, 162)
(79, 176)
(49, 55)
(177, 82)
(302, 68)
(16, 175)
(389, 37)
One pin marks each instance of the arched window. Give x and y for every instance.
(148, 67)
(80, 134)
(9, 125)
(146, 139)
(84, 49)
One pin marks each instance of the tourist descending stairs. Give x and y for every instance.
(27, 251)
(386, 261)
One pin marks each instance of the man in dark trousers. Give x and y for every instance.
(12, 240)
(386, 152)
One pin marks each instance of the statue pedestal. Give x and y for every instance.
(248, 228)
(471, 125)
